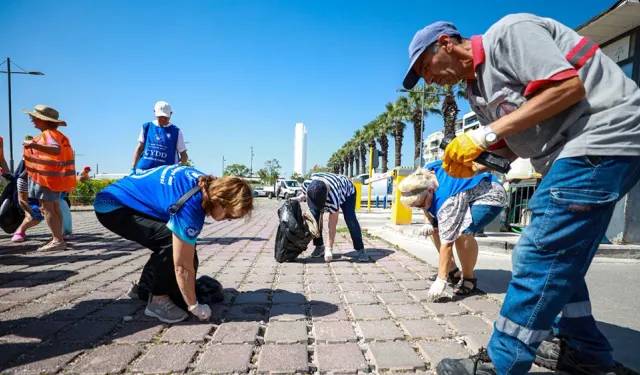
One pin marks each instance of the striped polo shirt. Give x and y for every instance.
(340, 187)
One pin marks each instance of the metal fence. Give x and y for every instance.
(518, 212)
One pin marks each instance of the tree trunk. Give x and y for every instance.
(450, 114)
(398, 143)
(417, 133)
(363, 159)
(350, 165)
(357, 159)
(384, 148)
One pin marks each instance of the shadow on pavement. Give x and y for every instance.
(228, 240)
(624, 342)
(493, 281)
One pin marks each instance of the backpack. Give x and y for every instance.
(293, 235)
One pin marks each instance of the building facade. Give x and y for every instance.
(300, 149)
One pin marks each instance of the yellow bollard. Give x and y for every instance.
(400, 214)
(357, 183)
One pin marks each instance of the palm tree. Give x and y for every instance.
(396, 113)
(370, 133)
(450, 108)
(431, 101)
(383, 129)
(360, 141)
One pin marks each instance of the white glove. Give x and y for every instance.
(426, 230)
(436, 290)
(203, 312)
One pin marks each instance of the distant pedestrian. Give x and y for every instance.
(164, 210)
(160, 142)
(84, 175)
(50, 165)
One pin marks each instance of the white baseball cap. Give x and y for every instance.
(162, 109)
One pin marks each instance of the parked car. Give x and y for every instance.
(259, 192)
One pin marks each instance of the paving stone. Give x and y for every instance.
(46, 358)
(26, 295)
(386, 287)
(369, 312)
(299, 278)
(86, 332)
(283, 359)
(259, 287)
(323, 288)
(354, 287)
(225, 359)
(31, 310)
(117, 310)
(435, 351)
(379, 330)
(327, 311)
(445, 308)
(236, 333)
(288, 297)
(469, 324)
(286, 333)
(415, 285)
(405, 276)
(334, 332)
(318, 298)
(261, 278)
(360, 298)
(420, 295)
(135, 332)
(187, 332)
(287, 312)
(423, 329)
(252, 298)
(166, 358)
(318, 279)
(349, 278)
(340, 358)
(481, 306)
(377, 277)
(106, 359)
(246, 312)
(290, 287)
(35, 332)
(395, 298)
(408, 311)
(476, 341)
(394, 356)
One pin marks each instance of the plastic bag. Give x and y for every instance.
(293, 235)
(67, 223)
(11, 214)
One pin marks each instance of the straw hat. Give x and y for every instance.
(46, 113)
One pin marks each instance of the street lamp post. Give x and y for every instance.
(251, 165)
(223, 160)
(9, 73)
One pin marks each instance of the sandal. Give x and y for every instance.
(463, 290)
(451, 277)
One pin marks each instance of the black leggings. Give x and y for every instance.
(158, 276)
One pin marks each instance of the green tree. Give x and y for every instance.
(450, 108)
(431, 102)
(270, 173)
(239, 170)
(190, 163)
(296, 176)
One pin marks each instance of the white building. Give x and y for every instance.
(300, 149)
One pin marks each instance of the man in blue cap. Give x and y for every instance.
(542, 92)
(333, 193)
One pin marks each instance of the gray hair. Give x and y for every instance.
(416, 187)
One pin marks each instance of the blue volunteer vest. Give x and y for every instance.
(449, 186)
(160, 146)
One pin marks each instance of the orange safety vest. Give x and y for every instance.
(57, 172)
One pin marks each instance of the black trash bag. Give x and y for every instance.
(209, 290)
(293, 235)
(11, 214)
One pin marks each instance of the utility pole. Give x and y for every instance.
(223, 160)
(251, 168)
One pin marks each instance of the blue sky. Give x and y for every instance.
(237, 73)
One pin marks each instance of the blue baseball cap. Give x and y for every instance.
(317, 195)
(424, 39)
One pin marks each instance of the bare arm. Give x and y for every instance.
(333, 225)
(548, 102)
(137, 153)
(184, 157)
(183, 254)
(3, 161)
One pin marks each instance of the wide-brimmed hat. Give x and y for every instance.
(46, 113)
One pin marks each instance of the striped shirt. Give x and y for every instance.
(340, 187)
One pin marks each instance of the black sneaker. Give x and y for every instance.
(558, 356)
(471, 365)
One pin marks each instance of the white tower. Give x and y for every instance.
(300, 150)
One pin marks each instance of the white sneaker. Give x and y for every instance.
(328, 255)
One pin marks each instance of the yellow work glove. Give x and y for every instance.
(462, 151)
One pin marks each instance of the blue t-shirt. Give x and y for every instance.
(449, 186)
(152, 192)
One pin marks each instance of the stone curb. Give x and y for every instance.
(503, 246)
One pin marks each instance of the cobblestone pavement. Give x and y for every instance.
(68, 311)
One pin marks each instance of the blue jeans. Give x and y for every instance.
(348, 208)
(571, 210)
(482, 216)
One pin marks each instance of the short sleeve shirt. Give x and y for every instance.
(521, 53)
(180, 145)
(340, 187)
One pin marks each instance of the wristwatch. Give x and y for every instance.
(490, 137)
